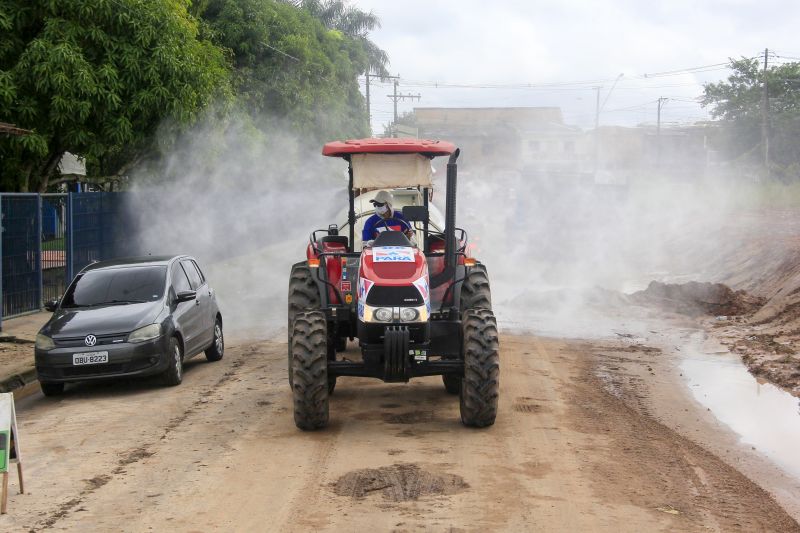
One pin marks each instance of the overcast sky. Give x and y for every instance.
(479, 42)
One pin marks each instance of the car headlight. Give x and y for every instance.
(383, 314)
(145, 334)
(43, 342)
(408, 314)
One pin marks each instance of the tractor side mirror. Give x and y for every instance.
(415, 213)
(51, 305)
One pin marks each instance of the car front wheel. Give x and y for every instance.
(52, 389)
(217, 348)
(173, 375)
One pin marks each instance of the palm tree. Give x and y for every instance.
(351, 21)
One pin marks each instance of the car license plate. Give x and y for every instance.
(89, 358)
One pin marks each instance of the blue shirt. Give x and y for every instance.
(396, 223)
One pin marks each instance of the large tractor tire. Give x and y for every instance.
(303, 296)
(309, 346)
(475, 294)
(481, 383)
(475, 291)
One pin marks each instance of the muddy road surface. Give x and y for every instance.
(221, 453)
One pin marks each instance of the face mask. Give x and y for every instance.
(382, 210)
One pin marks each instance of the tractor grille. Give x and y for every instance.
(406, 295)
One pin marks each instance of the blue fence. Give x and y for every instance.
(20, 244)
(46, 239)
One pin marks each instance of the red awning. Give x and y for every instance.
(388, 146)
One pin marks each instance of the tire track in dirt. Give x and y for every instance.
(131, 457)
(660, 469)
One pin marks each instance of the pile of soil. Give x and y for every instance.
(398, 482)
(696, 299)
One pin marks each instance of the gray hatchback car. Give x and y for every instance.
(129, 317)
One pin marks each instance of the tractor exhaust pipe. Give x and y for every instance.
(450, 213)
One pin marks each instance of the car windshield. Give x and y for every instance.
(117, 286)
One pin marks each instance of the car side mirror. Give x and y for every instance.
(185, 296)
(51, 306)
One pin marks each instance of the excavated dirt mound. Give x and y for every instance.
(398, 482)
(696, 299)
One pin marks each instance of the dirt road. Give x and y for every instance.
(221, 452)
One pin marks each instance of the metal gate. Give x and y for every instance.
(54, 249)
(19, 214)
(46, 239)
(96, 227)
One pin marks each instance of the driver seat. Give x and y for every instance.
(391, 238)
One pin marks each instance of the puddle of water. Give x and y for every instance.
(764, 416)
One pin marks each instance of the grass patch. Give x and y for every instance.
(55, 244)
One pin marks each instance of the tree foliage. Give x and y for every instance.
(738, 103)
(289, 69)
(341, 16)
(96, 78)
(114, 81)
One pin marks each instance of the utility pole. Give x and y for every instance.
(596, 131)
(369, 114)
(661, 102)
(369, 108)
(399, 96)
(597, 109)
(765, 114)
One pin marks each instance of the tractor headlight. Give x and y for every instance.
(408, 314)
(394, 314)
(383, 314)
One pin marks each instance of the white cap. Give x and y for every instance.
(383, 197)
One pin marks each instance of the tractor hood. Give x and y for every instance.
(393, 276)
(393, 265)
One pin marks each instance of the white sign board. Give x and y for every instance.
(9, 444)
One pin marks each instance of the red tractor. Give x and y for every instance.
(416, 310)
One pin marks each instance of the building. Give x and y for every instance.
(530, 141)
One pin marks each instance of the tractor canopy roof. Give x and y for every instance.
(389, 163)
(426, 147)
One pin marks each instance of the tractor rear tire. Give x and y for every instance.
(303, 296)
(310, 370)
(452, 383)
(480, 386)
(475, 291)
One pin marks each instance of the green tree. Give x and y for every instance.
(341, 16)
(738, 104)
(97, 78)
(289, 69)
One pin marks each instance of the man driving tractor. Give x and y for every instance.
(385, 218)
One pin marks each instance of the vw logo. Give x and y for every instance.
(90, 340)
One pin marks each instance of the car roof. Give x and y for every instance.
(150, 260)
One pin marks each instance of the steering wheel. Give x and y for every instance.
(385, 222)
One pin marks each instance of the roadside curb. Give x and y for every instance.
(18, 381)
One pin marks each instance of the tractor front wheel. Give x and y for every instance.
(303, 296)
(475, 291)
(310, 385)
(481, 383)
